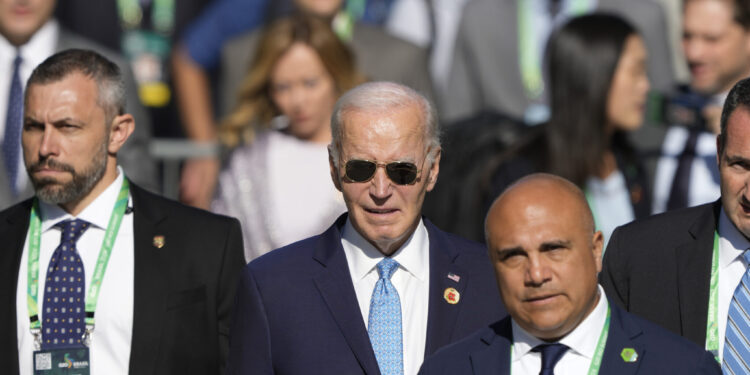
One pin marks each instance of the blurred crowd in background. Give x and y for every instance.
(233, 98)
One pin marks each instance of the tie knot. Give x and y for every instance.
(72, 229)
(386, 268)
(746, 255)
(551, 354)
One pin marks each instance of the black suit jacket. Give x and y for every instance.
(297, 311)
(189, 282)
(660, 268)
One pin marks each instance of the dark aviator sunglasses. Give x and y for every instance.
(401, 173)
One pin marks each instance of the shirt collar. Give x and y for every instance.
(731, 242)
(97, 212)
(37, 49)
(579, 340)
(412, 256)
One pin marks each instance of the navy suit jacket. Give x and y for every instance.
(297, 313)
(659, 351)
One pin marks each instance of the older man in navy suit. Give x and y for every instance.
(546, 254)
(383, 287)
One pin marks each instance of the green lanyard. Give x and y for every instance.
(92, 297)
(162, 14)
(712, 322)
(528, 57)
(596, 360)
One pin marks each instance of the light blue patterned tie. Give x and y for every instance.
(736, 358)
(384, 324)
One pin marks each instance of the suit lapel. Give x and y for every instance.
(623, 333)
(13, 234)
(335, 285)
(495, 358)
(694, 274)
(150, 293)
(444, 274)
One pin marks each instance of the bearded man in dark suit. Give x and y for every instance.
(162, 304)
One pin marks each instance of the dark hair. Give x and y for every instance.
(582, 56)
(739, 96)
(106, 74)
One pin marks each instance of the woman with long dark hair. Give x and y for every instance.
(598, 86)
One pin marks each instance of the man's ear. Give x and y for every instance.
(334, 171)
(120, 129)
(434, 170)
(598, 245)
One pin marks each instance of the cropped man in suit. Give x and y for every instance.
(28, 35)
(546, 254)
(162, 305)
(683, 269)
(382, 287)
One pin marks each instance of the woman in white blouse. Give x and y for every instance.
(277, 180)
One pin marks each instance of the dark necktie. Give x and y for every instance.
(64, 294)
(678, 195)
(551, 354)
(13, 120)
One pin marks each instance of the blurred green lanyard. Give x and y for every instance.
(529, 58)
(712, 321)
(92, 297)
(343, 22)
(148, 49)
(162, 15)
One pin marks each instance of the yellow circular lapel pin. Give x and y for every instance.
(451, 296)
(158, 242)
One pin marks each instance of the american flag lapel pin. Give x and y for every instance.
(454, 277)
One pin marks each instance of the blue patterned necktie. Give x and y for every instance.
(384, 324)
(13, 119)
(64, 298)
(551, 354)
(736, 359)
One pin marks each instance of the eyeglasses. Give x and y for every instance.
(401, 173)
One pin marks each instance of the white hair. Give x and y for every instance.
(383, 97)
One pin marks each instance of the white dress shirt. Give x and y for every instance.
(411, 280)
(610, 203)
(36, 50)
(704, 175)
(581, 342)
(732, 244)
(110, 349)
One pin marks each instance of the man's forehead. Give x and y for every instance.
(739, 119)
(59, 96)
(382, 123)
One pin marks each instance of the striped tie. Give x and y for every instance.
(737, 346)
